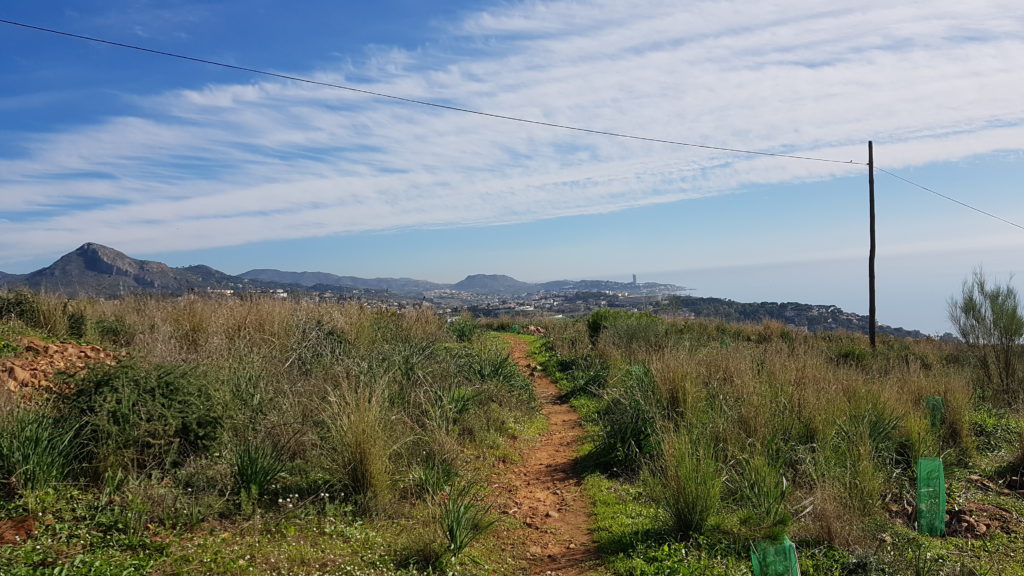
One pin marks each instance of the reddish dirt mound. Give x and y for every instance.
(16, 530)
(35, 367)
(969, 520)
(975, 520)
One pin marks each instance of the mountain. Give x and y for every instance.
(320, 279)
(493, 284)
(97, 270)
(94, 269)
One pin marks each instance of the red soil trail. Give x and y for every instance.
(544, 493)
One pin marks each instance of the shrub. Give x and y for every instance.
(990, 320)
(140, 415)
(76, 320)
(852, 355)
(462, 328)
(115, 331)
(23, 306)
(584, 374)
(628, 333)
(761, 489)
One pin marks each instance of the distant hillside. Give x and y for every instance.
(300, 278)
(494, 284)
(609, 286)
(475, 283)
(322, 279)
(813, 317)
(94, 270)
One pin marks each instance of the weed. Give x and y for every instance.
(37, 449)
(463, 516)
(628, 420)
(762, 489)
(256, 465)
(687, 480)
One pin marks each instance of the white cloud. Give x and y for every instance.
(230, 164)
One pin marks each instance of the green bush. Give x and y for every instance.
(463, 328)
(583, 374)
(114, 331)
(990, 320)
(77, 321)
(139, 415)
(852, 355)
(632, 330)
(23, 306)
(761, 490)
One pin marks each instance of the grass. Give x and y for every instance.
(463, 516)
(37, 449)
(281, 437)
(241, 436)
(816, 436)
(686, 480)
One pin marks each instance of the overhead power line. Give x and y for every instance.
(950, 198)
(490, 114)
(423, 102)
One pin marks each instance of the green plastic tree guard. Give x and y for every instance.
(931, 497)
(936, 411)
(774, 558)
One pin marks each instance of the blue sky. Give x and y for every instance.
(189, 163)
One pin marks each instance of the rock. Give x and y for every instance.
(552, 514)
(18, 375)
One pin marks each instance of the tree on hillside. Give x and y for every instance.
(988, 317)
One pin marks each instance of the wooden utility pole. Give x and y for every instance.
(871, 253)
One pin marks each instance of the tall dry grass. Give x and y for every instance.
(796, 418)
(297, 398)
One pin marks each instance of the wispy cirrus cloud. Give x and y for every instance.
(229, 164)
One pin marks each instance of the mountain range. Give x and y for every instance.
(94, 270)
(100, 271)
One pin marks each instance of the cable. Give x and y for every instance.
(424, 102)
(964, 204)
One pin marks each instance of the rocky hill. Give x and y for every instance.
(96, 270)
(493, 284)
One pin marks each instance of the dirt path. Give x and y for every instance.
(545, 493)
